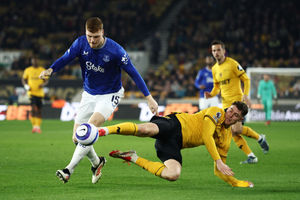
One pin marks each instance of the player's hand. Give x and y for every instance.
(247, 100)
(152, 104)
(223, 168)
(27, 87)
(202, 87)
(46, 73)
(74, 139)
(207, 95)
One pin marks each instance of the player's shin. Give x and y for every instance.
(242, 144)
(249, 132)
(127, 128)
(155, 168)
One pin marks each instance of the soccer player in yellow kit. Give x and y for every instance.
(209, 127)
(34, 86)
(227, 76)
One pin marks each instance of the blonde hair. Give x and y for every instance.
(94, 24)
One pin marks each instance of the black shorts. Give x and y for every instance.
(36, 101)
(169, 139)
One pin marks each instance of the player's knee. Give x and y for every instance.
(236, 131)
(173, 176)
(147, 129)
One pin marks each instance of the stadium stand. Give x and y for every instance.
(264, 35)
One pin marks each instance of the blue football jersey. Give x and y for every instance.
(101, 68)
(204, 77)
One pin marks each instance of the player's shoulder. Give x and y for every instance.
(215, 113)
(81, 38)
(113, 46)
(231, 61)
(41, 68)
(80, 42)
(29, 68)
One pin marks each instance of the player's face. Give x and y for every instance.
(34, 62)
(96, 39)
(218, 52)
(232, 115)
(266, 77)
(209, 61)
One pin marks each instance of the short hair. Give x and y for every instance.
(218, 42)
(94, 24)
(241, 106)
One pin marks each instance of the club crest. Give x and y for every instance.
(106, 58)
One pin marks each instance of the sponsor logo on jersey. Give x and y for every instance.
(90, 66)
(85, 53)
(224, 82)
(106, 58)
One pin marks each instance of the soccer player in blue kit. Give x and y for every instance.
(204, 83)
(101, 60)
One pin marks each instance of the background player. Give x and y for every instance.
(204, 82)
(35, 91)
(227, 75)
(266, 92)
(101, 60)
(209, 127)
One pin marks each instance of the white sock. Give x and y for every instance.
(93, 157)
(105, 129)
(259, 138)
(79, 153)
(134, 157)
(251, 154)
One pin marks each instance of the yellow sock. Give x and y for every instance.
(242, 144)
(38, 121)
(127, 128)
(33, 121)
(249, 132)
(153, 167)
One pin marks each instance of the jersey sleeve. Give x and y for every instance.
(240, 72)
(216, 87)
(198, 79)
(68, 56)
(127, 66)
(274, 90)
(211, 118)
(246, 82)
(207, 136)
(237, 68)
(231, 180)
(259, 89)
(25, 74)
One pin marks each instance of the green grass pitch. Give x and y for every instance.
(28, 163)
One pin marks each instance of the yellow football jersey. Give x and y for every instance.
(227, 79)
(31, 74)
(205, 128)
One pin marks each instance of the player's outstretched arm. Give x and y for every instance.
(152, 104)
(230, 179)
(46, 73)
(222, 167)
(247, 100)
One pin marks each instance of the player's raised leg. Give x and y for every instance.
(129, 128)
(236, 130)
(169, 170)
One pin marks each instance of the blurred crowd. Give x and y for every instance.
(258, 33)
